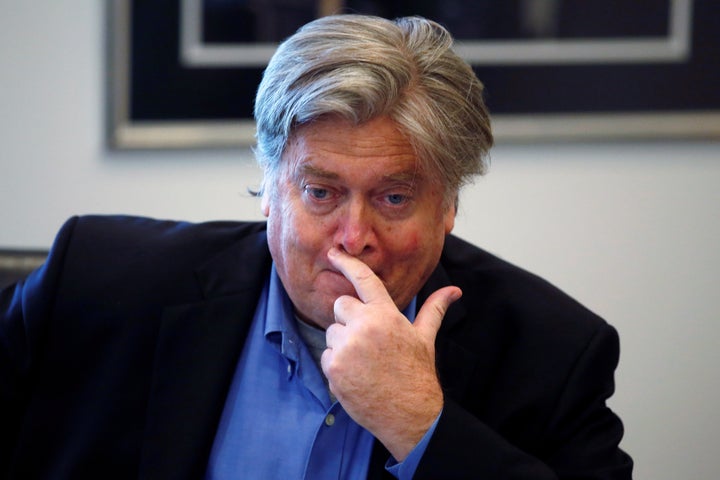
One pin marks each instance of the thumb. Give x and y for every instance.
(431, 314)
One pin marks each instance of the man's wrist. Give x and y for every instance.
(405, 469)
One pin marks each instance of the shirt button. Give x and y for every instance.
(330, 420)
(289, 369)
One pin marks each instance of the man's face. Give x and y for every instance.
(358, 188)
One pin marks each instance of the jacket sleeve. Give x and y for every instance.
(24, 309)
(580, 434)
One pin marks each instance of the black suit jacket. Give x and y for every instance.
(117, 355)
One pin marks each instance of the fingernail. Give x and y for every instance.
(456, 295)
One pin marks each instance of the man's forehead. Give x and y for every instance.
(332, 148)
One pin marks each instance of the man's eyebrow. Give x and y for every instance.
(311, 170)
(408, 176)
(404, 176)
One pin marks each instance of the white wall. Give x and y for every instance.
(631, 229)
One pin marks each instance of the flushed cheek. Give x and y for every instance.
(408, 248)
(407, 262)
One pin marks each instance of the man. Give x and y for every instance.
(349, 337)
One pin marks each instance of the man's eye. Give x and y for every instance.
(316, 192)
(396, 198)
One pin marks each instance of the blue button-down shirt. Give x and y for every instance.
(279, 421)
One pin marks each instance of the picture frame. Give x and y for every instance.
(175, 82)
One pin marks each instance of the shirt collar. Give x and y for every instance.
(280, 328)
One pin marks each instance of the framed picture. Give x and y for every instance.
(183, 73)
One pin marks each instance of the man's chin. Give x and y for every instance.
(333, 285)
(320, 318)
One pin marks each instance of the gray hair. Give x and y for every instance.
(361, 67)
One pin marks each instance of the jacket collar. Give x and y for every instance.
(196, 356)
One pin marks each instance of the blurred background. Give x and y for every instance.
(631, 228)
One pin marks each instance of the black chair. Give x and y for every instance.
(17, 264)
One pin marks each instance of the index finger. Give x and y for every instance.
(368, 286)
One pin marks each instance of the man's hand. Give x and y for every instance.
(380, 366)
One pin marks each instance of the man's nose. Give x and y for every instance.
(356, 231)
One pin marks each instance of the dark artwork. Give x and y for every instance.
(163, 89)
(237, 21)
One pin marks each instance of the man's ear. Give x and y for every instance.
(265, 202)
(449, 219)
(450, 215)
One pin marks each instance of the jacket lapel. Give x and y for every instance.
(195, 359)
(468, 345)
(455, 363)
